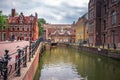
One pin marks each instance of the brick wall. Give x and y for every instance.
(32, 70)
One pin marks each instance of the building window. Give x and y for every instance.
(20, 34)
(25, 34)
(91, 14)
(91, 2)
(10, 28)
(16, 33)
(105, 10)
(91, 29)
(113, 17)
(28, 29)
(114, 1)
(104, 24)
(25, 28)
(3, 36)
(15, 28)
(20, 28)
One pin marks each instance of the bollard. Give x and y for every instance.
(19, 62)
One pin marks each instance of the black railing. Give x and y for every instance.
(11, 64)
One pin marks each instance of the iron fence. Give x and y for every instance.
(11, 64)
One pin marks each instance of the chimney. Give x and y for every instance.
(36, 15)
(13, 13)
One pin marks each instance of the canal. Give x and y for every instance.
(71, 64)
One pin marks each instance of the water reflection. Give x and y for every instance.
(69, 64)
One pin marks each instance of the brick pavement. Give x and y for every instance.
(11, 46)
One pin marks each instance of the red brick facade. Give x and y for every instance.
(105, 16)
(21, 27)
(94, 15)
(112, 27)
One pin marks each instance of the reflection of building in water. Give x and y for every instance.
(60, 32)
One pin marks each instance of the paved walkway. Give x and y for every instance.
(11, 46)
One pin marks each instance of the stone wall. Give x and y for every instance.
(104, 52)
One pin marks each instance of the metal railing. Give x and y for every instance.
(11, 64)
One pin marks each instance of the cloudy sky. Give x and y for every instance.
(53, 11)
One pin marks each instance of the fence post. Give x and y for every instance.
(25, 57)
(32, 48)
(19, 62)
(5, 64)
(16, 61)
(29, 53)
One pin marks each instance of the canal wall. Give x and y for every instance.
(104, 52)
(28, 72)
(34, 65)
(99, 51)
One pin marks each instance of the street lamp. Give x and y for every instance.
(31, 20)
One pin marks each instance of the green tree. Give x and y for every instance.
(41, 21)
(3, 21)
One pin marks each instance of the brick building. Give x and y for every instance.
(3, 32)
(94, 15)
(63, 36)
(21, 27)
(104, 20)
(59, 32)
(111, 23)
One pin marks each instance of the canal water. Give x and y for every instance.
(71, 64)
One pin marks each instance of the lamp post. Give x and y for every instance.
(31, 19)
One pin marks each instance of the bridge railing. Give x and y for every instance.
(11, 64)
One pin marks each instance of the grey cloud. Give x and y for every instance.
(66, 11)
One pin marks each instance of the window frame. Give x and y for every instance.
(113, 17)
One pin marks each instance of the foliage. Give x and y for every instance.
(3, 21)
(41, 21)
